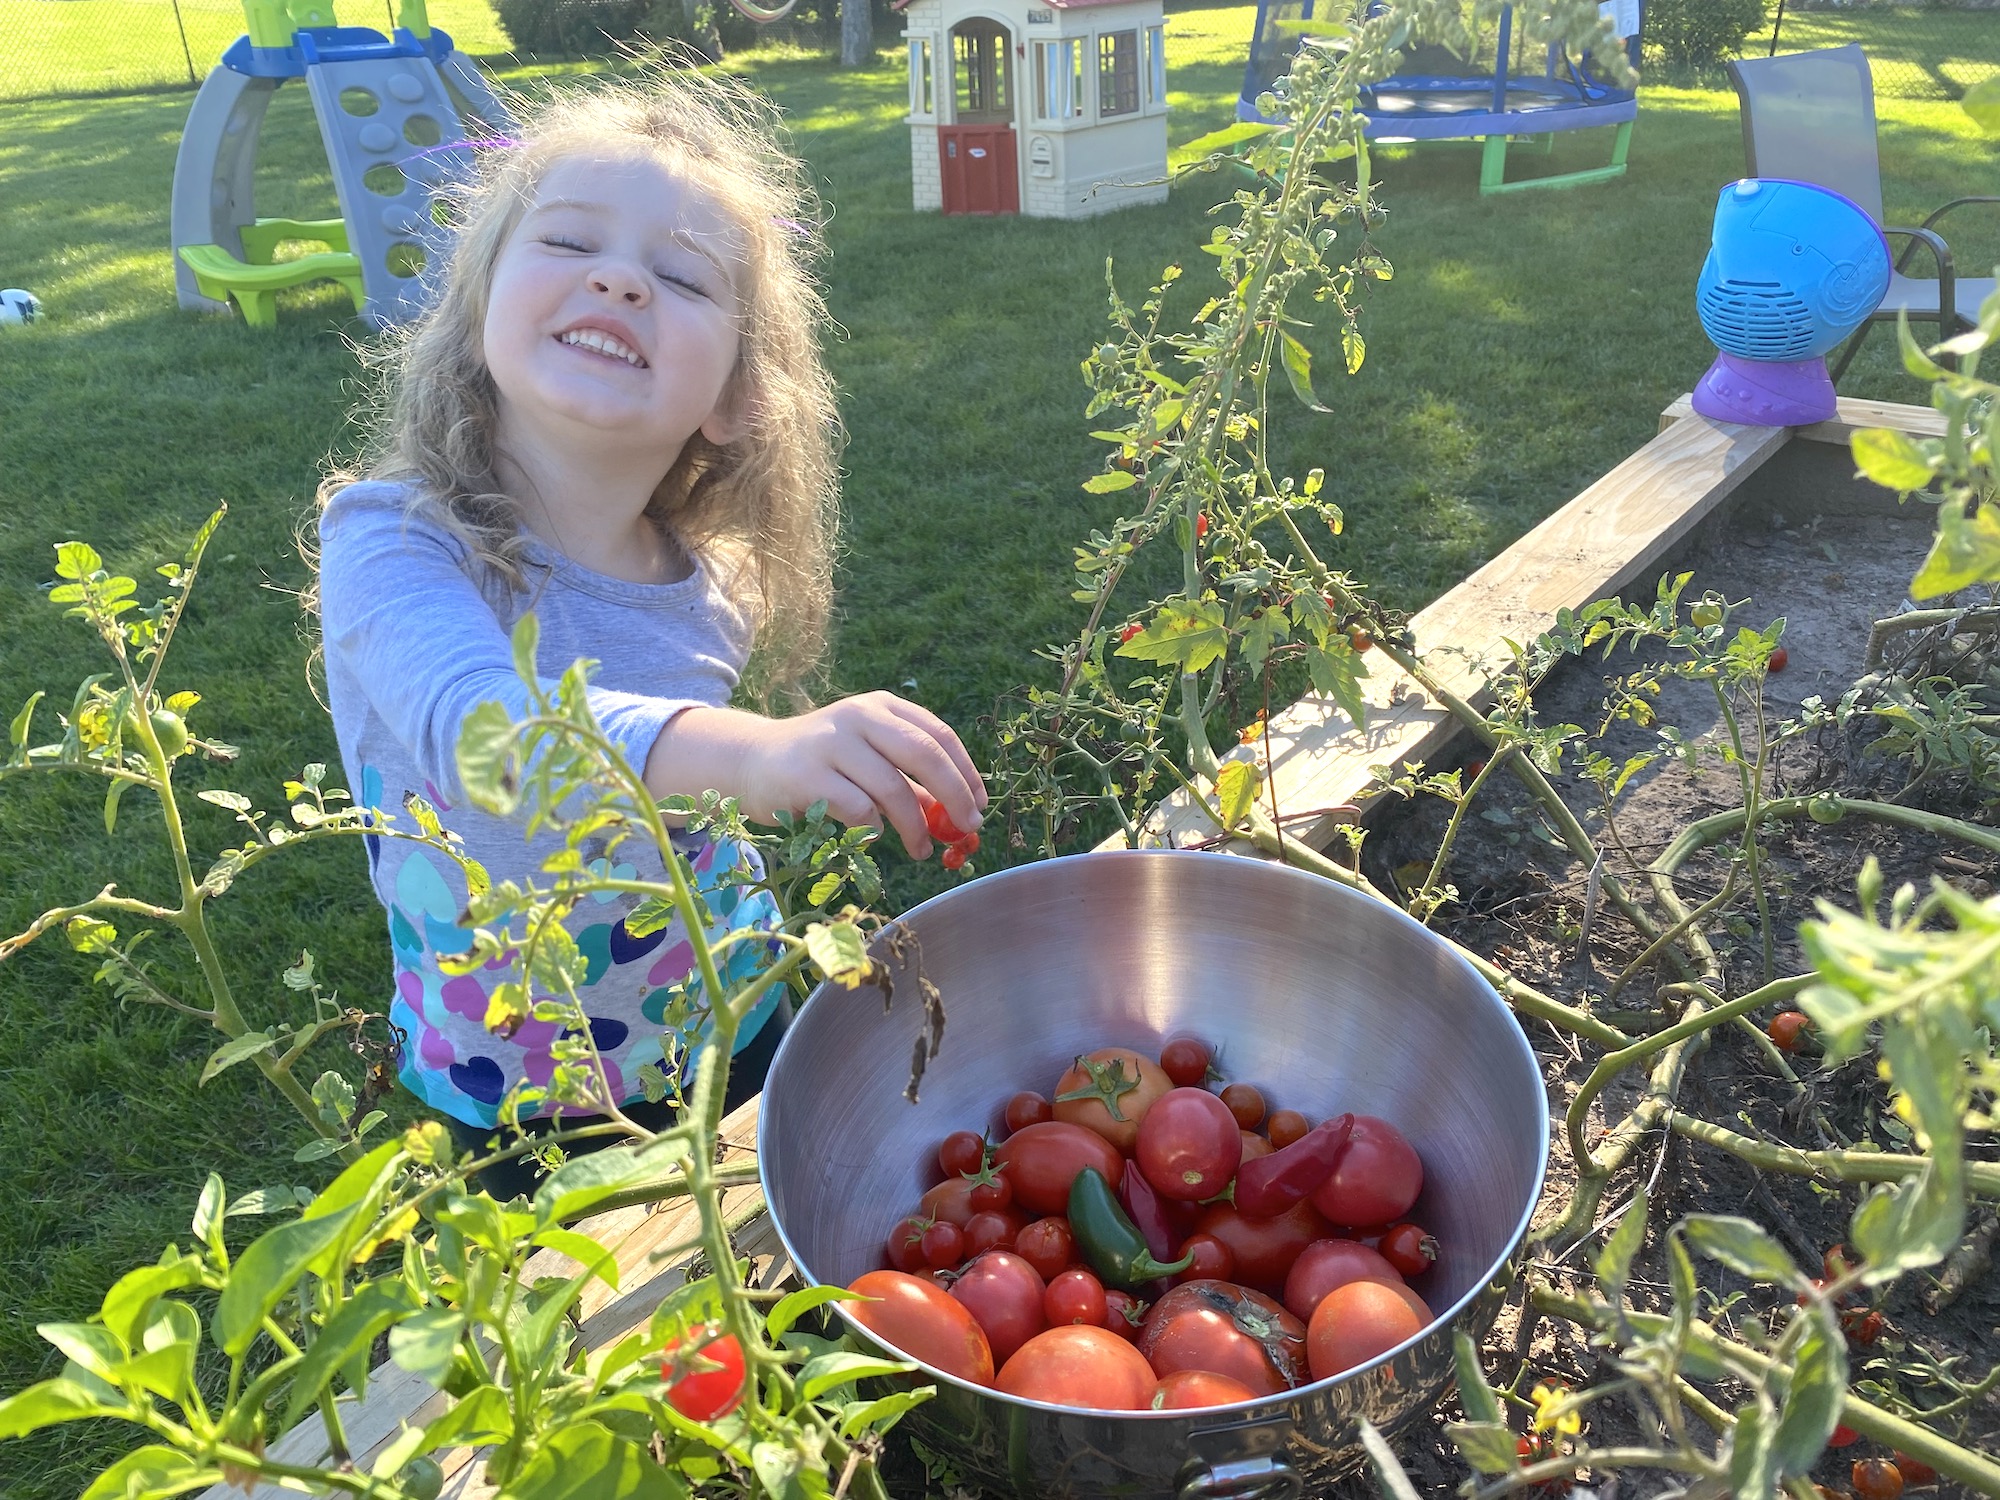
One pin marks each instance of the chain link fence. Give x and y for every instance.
(1917, 49)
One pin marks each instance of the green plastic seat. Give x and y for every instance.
(255, 288)
(261, 239)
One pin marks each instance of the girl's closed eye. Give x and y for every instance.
(564, 242)
(685, 281)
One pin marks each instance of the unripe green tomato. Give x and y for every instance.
(1825, 809)
(1705, 615)
(422, 1478)
(169, 731)
(1107, 353)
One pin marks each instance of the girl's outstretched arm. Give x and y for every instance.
(861, 755)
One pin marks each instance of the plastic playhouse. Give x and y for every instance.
(385, 105)
(1438, 96)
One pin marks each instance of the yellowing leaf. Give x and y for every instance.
(1967, 551)
(1891, 459)
(1105, 484)
(1183, 635)
(1236, 791)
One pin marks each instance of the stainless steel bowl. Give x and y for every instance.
(1325, 999)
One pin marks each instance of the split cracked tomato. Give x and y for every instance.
(1229, 1330)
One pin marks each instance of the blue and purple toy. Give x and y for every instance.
(1792, 269)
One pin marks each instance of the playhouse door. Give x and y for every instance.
(978, 169)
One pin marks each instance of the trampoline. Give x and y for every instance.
(1440, 97)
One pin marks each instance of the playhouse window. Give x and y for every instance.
(1156, 65)
(1118, 73)
(923, 97)
(981, 50)
(1059, 80)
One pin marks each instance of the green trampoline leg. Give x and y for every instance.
(1493, 167)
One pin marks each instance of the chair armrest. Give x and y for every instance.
(1957, 203)
(1947, 277)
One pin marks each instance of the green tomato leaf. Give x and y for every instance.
(150, 1473)
(424, 1344)
(267, 1270)
(1189, 636)
(1741, 1246)
(778, 1322)
(1891, 459)
(1299, 370)
(588, 1461)
(820, 1375)
(1966, 551)
(1487, 1446)
(1753, 1460)
(1614, 1261)
(1204, 146)
(52, 1401)
(579, 1184)
(488, 761)
(840, 952)
(1479, 1400)
(1111, 482)
(131, 1298)
(237, 1049)
(882, 1414)
(345, 1341)
(1818, 1389)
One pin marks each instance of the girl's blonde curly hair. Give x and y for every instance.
(761, 510)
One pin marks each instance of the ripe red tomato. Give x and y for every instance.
(943, 1246)
(1124, 1314)
(1843, 1437)
(1786, 1030)
(1026, 1109)
(1185, 1061)
(1409, 1248)
(1004, 1295)
(1781, 659)
(1377, 1180)
(1048, 1246)
(1129, 1081)
(906, 1243)
(1185, 1389)
(1326, 1264)
(938, 821)
(920, 1319)
(950, 1201)
(995, 1227)
(1264, 1248)
(1043, 1160)
(1915, 1470)
(1286, 1126)
(1877, 1479)
(1213, 1260)
(992, 1192)
(1246, 1104)
(1861, 1325)
(955, 855)
(1075, 1296)
(704, 1373)
(1254, 1145)
(1835, 1264)
(1189, 1145)
(1078, 1366)
(1358, 1322)
(962, 1153)
(1228, 1330)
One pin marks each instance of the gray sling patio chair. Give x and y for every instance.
(1810, 116)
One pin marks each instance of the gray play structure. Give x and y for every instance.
(392, 111)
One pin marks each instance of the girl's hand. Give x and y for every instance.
(861, 755)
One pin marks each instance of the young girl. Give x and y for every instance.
(616, 416)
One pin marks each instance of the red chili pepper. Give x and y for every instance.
(1272, 1185)
(1149, 1215)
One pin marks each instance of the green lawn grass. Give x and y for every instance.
(1525, 345)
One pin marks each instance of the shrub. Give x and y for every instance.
(573, 28)
(1701, 33)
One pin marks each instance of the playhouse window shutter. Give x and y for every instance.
(1156, 64)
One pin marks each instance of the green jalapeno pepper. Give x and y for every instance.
(1109, 1239)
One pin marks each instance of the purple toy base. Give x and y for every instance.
(1778, 393)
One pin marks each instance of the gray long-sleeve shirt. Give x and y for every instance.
(416, 637)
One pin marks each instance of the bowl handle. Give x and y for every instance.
(1243, 1461)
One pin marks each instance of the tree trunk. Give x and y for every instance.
(857, 33)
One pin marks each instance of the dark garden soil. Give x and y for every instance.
(1523, 905)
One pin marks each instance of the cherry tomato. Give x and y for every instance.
(938, 821)
(1264, 1248)
(1861, 1325)
(991, 1192)
(954, 856)
(1835, 1264)
(1843, 1437)
(1228, 1330)
(1043, 1160)
(943, 1245)
(1285, 1126)
(1004, 1295)
(1190, 1388)
(1213, 1261)
(1026, 1109)
(950, 1200)
(1185, 1061)
(1075, 1297)
(1048, 1246)
(704, 1373)
(1078, 1366)
(1254, 1145)
(1360, 640)
(1326, 1264)
(1358, 1322)
(994, 1228)
(1377, 1180)
(1189, 1145)
(906, 1243)
(1110, 1077)
(1877, 1479)
(1781, 659)
(1786, 1028)
(1915, 1470)
(1245, 1103)
(962, 1154)
(1409, 1249)
(1124, 1314)
(920, 1319)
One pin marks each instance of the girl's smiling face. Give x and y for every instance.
(612, 315)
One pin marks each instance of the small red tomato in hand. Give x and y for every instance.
(1877, 1479)
(944, 1246)
(962, 1153)
(704, 1374)
(1409, 1249)
(1787, 1027)
(1026, 1109)
(1780, 659)
(1075, 1297)
(1245, 1103)
(953, 857)
(1185, 1061)
(938, 821)
(1284, 1127)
